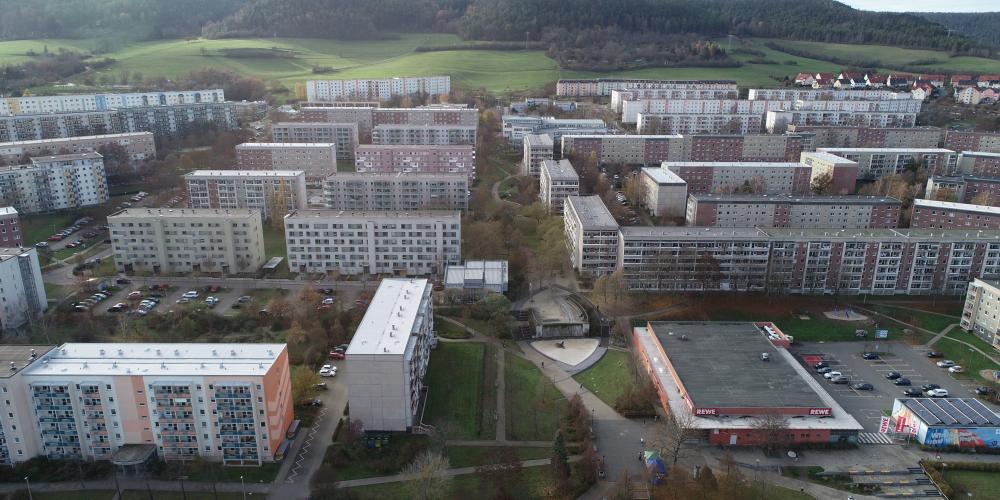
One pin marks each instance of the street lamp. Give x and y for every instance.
(29, 487)
(243, 487)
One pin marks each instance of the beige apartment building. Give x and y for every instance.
(424, 134)
(344, 135)
(185, 240)
(396, 191)
(832, 212)
(981, 315)
(875, 163)
(591, 235)
(666, 192)
(558, 181)
(140, 146)
(654, 149)
(266, 191)
(698, 123)
(416, 158)
(536, 149)
(317, 160)
(850, 136)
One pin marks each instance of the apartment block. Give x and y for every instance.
(558, 181)
(848, 136)
(266, 191)
(10, 228)
(875, 163)
(534, 103)
(381, 89)
(698, 123)
(932, 214)
(666, 192)
(367, 118)
(19, 440)
(807, 261)
(415, 159)
(766, 177)
(515, 127)
(979, 163)
(981, 314)
(388, 355)
(777, 122)
(371, 243)
(338, 104)
(655, 149)
(21, 288)
(344, 135)
(824, 94)
(832, 212)
(424, 134)
(228, 403)
(52, 183)
(363, 117)
(964, 189)
(396, 191)
(591, 235)
(186, 240)
(317, 160)
(536, 149)
(631, 108)
(843, 172)
(140, 146)
(620, 96)
(960, 140)
(602, 87)
(45, 104)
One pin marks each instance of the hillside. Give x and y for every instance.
(981, 26)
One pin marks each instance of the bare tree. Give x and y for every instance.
(822, 184)
(430, 475)
(671, 434)
(773, 429)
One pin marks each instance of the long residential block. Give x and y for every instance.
(981, 313)
(536, 149)
(396, 191)
(766, 177)
(273, 192)
(52, 183)
(962, 140)
(381, 89)
(591, 235)
(388, 355)
(655, 149)
(102, 102)
(371, 243)
(849, 136)
(618, 97)
(367, 117)
(344, 135)
(416, 158)
(317, 160)
(139, 146)
(964, 189)
(424, 134)
(601, 87)
(875, 163)
(777, 121)
(22, 292)
(698, 123)
(838, 212)
(979, 163)
(516, 127)
(949, 215)
(558, 181)
(185, 240)
(786, 94)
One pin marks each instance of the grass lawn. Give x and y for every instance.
(448, 330)
(471, 456)
(208, 471)
(897, 56)
(134, 495)
(926, 320)
(534, 405)
(365, 465)
(57, 292)
(455, 386)
(814, 329)
(609, 377)
(345, 166)
(775, 492)
(974, 484)
(35, 228)
(532, 481)
(971, 360)
(274, 242)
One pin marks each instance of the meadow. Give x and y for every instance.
(897, 56)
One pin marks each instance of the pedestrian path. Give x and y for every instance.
(874, 438)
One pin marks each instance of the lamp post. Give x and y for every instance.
(183, 493)
(28, 483)
(243, 487)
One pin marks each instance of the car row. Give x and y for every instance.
(85, 304)
(65, 233)
(138, 196)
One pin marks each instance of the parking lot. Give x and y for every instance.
(869, 406)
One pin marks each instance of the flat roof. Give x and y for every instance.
(963, 178)
(561, 170)
(403, 126)
(885, 150)
(592, 212)
(244, 173)
(390, 319)
(476, 272)
(624, 136)
(538, 139)
(290, 145)
(952, 412)
(77, 138)
(663, 176)
(418, 147)
(8, 211)
(75, 156)
(950, 205)
(720, 367)
(795, 200)
(183, 213)
(15, 358)
(448, 176)
(822, 155)
(315, 124)
(757, 233)
(738, 164)
(74, 360)
(981, 153)
(322, 213)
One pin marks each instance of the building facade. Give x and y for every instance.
(370, 243)
(139, 146)
(10, 228)
(265, 191)
(777, 122)
(46, 104)
(931, 214)
(748, 210)
(979, 163)
(186, 240)
(655, 149)
(766, 177)
(536, 149)
(416, 159)
(591, 235)
(558, 180)
(51, 183)
(381, 89)
(665, 192)
(964, 189)
(396, 191)
(698, 123)
(618, 97)
(981, 314)
(317, 160)
(388, 355)
(424, 134)
(847, 136)
(875, 163)
(602, 87)
(960, 140)
(344, 135)
(964, 424)
(516, 127)
(21, 288)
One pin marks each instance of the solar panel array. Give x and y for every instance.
(953, 412)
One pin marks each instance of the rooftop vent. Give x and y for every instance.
(12, 366)
(101, 351)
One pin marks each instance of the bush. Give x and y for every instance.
(637, 402)
(41, 468)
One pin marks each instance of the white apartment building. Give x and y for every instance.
(317, 160)
(830, 212)
(424, 134)
(666, 192)
(229, 403)
(140, 146)
(631, 108)
(344, 135)
(19, 441)
(22, 292)
(369, 243)
(536, 149)
(981, 315)
(558, 181)
(698, 123)
(515, 127)
(381, 89)
(620, 96)
(596, 87)
(592, 235)
(388, 355)
(185, 240)
(265, 191)
(102, 102)
(52, 183)
(415, 159)
(875, 163)
(398, 191)
(777, 121)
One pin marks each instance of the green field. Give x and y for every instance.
(472, 456)
(974, 484)
(454, 381)
(923, 319)
(609, 377)
(533, 482)
(534, 405)
(971, 360)
(896, 56)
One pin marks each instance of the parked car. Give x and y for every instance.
(956, 369)
(902, 382)
(211, 301)
(123, 281)
(335, 355)
(328, 371)
(316, 402)
(893, 375)
(119, 307)
(946, 363)
(840, 380)
(913, 392)
(869, 355)
(321, 386)
(864, 386)
(821, 364)
(985, 391)
(831, 374)
(328, 301)
(935, 354)
(213, 288)
(244, 299)
(42, 244)
(183, 300)
(927, 387)
(824, 370)
(134, 295)
(190, 294)
(938, 393)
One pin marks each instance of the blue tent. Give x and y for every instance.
(655, 466)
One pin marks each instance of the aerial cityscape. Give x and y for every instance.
(510, 249)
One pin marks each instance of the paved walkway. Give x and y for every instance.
(137, 485)
(941, 334)
(460, 471)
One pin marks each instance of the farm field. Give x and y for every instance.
(898, 56)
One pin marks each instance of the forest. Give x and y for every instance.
(981, 26)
